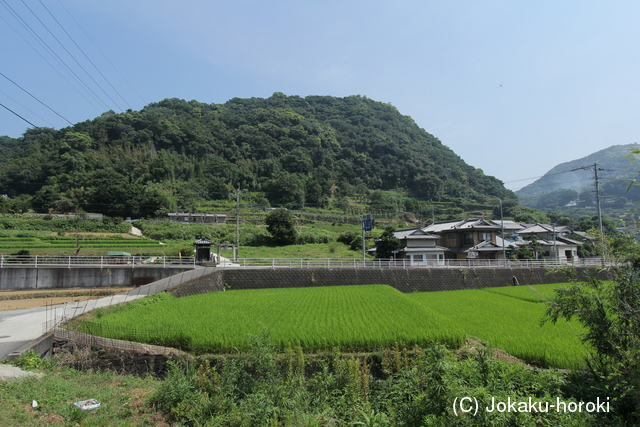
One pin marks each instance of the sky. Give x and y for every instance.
(512, 87)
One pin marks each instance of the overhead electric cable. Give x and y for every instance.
(44, 120)
(50, 64)
(18, 115)
(53, 54)
(103, 54)
(28, 93)
(85, 55)
(542, 176)
(74, 59)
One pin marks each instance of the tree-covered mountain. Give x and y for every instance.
(294, 150)
(572, 184)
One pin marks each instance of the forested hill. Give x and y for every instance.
(174, 152)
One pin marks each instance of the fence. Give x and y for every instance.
(403, 263)
(93, 261)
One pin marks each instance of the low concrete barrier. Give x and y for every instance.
(82, 277)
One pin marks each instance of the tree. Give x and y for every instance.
(281, 227)
(387, 243)
(610, 312)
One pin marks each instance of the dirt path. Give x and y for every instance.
(16, 300)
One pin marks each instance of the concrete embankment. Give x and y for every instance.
(82, 277)
(405, 280)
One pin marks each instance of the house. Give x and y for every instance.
(197, 218)
(471, 238)
(419, 247)
(552, 241)
(464, 239)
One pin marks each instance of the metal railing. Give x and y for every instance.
(36, 261)
(93, 261)
(403, 263)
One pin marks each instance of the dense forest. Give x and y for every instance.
(289, 150)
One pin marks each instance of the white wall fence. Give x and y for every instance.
(93, 261)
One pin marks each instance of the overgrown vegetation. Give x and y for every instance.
(610, 313)
(395, 387)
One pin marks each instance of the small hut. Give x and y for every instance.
(203, 250)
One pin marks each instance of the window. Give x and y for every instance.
(467, 239)
(485, 236)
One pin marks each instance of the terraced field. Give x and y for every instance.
(93, 243)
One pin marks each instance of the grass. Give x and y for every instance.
(315, 250)
(348, 317)
(123, 399)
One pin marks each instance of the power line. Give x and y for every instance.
(49, 63)
(18, 115)
(26, 108)
(49, 51)
(55, 112)
(99, 50)
(76, 61)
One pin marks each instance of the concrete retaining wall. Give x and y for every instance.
(82, 277)
(409, 280)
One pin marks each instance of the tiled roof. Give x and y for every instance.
(460, 224)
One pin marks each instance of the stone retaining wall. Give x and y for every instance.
(405, 280)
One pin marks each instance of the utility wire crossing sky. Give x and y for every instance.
(514, 88)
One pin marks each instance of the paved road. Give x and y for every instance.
(20, 327)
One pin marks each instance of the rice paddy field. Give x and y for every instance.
(510, 319)
(352, 318)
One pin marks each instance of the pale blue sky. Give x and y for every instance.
(513, 87)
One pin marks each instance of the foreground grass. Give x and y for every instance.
(392, 387)
(123, 399)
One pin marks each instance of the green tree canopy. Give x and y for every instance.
(281, 226)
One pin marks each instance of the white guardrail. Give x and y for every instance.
(390, 263)
(93, 261)
(153, 261)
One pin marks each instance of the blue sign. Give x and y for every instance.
(367, 223)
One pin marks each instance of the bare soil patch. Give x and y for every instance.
(16, 300)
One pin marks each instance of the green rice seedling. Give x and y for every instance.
(533, 293)
(348, 317)
(510, 324)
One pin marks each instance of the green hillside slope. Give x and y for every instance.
(294, 150)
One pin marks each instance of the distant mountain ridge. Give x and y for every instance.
(573, 183)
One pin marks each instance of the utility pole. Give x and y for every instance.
(595, 171)
(367, 225)
(236, 248)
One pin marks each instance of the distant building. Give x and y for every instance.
(197, 218)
